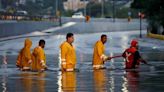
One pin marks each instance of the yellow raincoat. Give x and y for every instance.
(98, 55)
(39, 59)
(24, 57)
(68, 56)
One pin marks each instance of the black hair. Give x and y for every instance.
(41, 42)
(103, 35)
(69, 35)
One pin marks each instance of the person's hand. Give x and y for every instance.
(5, 62)
(64, 65)
(30, 61)
(43, 65)
(109, 58)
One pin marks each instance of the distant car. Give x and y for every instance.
(108, 17)
(78, 15)
(21, 13)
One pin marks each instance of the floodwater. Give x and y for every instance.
(112, 79)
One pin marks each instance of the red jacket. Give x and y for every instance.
(129, 55)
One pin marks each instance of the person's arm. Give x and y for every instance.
(18, 62)
(124, 54)
(143, 61)
(28, 55)
(63, 56)
(41, 57)
(138, 57)
(101, 54)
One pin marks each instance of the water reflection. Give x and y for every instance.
(112, 82)
(4, 73)
(31, 82)
(67, 82)
(26, 81)
(41, 82)
(131, 81)
(112, 62)
(4, 83)
(100, 81)
(124, 41)
(4, 63)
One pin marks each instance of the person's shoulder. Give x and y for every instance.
(131, 50)
(63, 44)
(37, 48)
(98, 42)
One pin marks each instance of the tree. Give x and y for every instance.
(154, 11)
(94, 9)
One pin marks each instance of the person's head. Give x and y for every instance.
(104, 38)
(70, 37)
(28, 43)
(42, 43)
(134, 43)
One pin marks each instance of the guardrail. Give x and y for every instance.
(27, 17)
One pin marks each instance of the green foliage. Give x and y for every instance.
(39, 7)
(68, 13)
(138, 4)
(94, 9)
(154, 10)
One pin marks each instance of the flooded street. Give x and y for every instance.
(113, 79)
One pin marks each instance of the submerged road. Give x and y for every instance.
(112, 79)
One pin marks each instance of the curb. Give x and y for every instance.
(157, 36)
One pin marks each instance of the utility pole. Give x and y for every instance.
(84, 2)
(140, 27)
(102, 8)
(0, 4)
(113, 10)
(56, 9)
(140, 17)
(72, 5)
(58, 12)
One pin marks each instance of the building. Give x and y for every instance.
(75, 4)
(22, 2)
(96, 1)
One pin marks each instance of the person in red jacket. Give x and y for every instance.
(132, 56)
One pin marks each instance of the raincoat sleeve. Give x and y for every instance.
(28, 55)
(41, 56)
(63, 53)
(19, 57)
(18, 62)
(100, 50)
